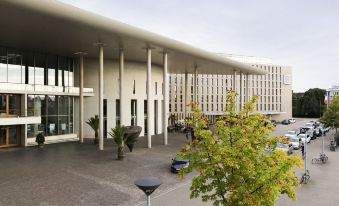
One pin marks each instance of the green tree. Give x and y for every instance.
(233, 161)
(309, 104)
(93, 122)
(331, 116)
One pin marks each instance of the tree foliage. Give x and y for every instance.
(331, 116)
(309, 104)
(233, 163)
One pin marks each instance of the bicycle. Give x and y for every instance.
(305, 177)
(322, 158)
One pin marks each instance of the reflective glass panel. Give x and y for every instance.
(52, 63)
(63, 125)
(14, 104)
(3, 65)
(40, 64)
(52, 105)
(14, 67)
(12, 135)
(3, 136)
(52, 126)
(3, 104)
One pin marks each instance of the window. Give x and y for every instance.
(40, 64)
(3, 64)
(133, 112)
(117, 112)
(15, 73)
(133, 86)
(52, 64)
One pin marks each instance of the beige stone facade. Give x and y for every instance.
(274, 90)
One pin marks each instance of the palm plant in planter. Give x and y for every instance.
(118, 136)
(40, 139)
(93, 122)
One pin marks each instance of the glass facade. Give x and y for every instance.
(34, 68)
(10, 105)
(22, 67)
(56, 114)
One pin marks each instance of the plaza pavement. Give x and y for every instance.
(79, 174)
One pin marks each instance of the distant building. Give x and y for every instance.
(274, 90)
(330, 93)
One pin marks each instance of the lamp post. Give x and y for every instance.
(148, 186)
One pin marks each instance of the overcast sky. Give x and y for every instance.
(301, 33)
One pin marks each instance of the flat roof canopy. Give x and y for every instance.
(57, 28)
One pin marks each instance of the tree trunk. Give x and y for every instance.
(96, 140)
(121, 154)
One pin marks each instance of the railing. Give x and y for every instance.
(42, 88)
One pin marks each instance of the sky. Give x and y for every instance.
(303, 34)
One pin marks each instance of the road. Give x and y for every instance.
(321, 190)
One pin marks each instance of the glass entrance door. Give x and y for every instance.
(9, 136)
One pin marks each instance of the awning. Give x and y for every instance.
(57, 28)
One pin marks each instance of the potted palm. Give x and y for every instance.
(118, 136)
(40, 139)
(131, 136)
(93, 122)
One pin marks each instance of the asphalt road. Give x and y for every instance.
(322, 188)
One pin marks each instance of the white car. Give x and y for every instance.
(291, 132)
(295, 142)
(291, 120)
(302, 137)
(309, 124)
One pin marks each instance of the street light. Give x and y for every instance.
(148, 186)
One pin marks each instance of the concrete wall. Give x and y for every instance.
(133, 71)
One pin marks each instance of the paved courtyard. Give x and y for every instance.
(79, 174)
(74, 174)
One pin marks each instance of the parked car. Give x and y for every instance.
(291, 120)
(179, 164)
(285, 147)
(303, 137)
(295, 142)
(291, 132)
(310, 124)
(285, 122)
(309, 131)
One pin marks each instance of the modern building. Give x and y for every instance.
(274, 90)
(331, 93)
(61, 65)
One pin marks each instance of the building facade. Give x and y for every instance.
(274, 90)
(331, 93)
(61, 65)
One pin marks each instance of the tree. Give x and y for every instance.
(331, 116)
(93, 122)
(234, 162)
(309, 104)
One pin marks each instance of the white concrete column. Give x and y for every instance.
(165, 97)
(234, 84)
(234, 88)
(241, 95)
(185, 97)
(247, 89)
(81, 98)
(121, 88)
(195, 84)
(24, 113)
(101, 96)
(149, 98)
